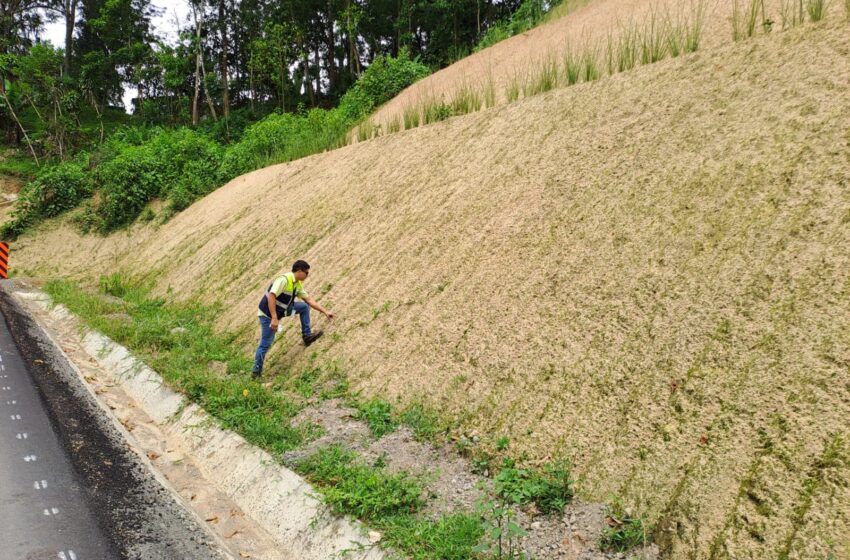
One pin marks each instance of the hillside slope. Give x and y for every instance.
(648, 274)
(591, 25)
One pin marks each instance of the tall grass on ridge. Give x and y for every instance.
(792, 13)
(817, 9)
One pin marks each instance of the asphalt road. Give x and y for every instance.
(70, 486)
(43, 510)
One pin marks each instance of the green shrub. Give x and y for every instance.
(179, 165)
(53, 191)
(385, 78)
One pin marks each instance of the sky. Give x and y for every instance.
(164, 26)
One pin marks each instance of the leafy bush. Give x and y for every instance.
(385, 78)
(529, 14)
(55, 190)
(283, 137)
(179, 165)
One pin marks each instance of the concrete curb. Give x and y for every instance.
(276, 498)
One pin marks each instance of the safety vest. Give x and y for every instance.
(284, 301)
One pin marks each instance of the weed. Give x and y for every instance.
(817, 9)
(466, 100)
(436, 111)
(513, 89)
(747, 19)
(425, 423)
(792, 13)
(394, 125)
(378, 414)
(113, 285)
(590, 67)
(489, 89)
(624, 532)
(572, 67)
(501, 533)
(694, 26)
(503, 443)
(625, 51)
(448, 538)
(411, 117)
(544, 79)
(353, 488)
(551, 489)
(365, 130)
(654, 40)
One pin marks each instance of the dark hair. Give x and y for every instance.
(300, 265)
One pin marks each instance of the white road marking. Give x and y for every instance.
(51, 511)
(22, 435)
(11, 402)
(16, 416)
(39, 485)
(7, 388)
(30, 458)
(69, 556)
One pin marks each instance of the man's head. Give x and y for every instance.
(301, 270)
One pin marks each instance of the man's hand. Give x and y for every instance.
(274, 324)
(330, 314)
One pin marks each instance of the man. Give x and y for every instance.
(279, 302)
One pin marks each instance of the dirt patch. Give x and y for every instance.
(338, 424)
(450, 484)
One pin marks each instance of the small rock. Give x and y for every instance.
(178, 330)
(536, 525)
(374, 537)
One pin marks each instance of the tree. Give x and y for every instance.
(115, 41)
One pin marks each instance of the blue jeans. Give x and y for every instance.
(267, 334)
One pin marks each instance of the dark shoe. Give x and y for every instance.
(255, 375)
(311, 338)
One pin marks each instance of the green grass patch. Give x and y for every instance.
(551, 489)
(424, 422)
(364, 491)
(378, 414)
(178, 342)
(453, 537)
(389, 502)
(19, 166)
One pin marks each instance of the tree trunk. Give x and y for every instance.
(331, 43)
(18, 121)
(225, 87)
(196, 117)
(70, 13)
